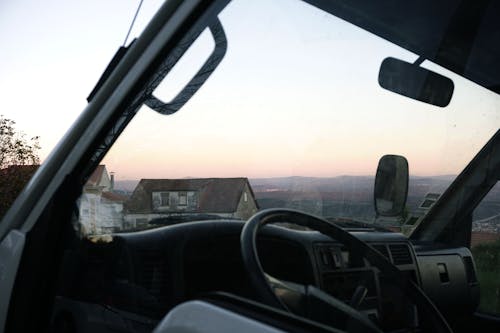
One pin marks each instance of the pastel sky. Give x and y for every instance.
(52, 54)
(296, 94)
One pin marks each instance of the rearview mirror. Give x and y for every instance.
(415, 82)
(391, 185)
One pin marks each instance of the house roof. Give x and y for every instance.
(96, 176)
(112, 196)
(12, 180)
(215, 195)
(481, 237)
(15, 169)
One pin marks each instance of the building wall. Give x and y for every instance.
(247, 206)
(98, 215)
(111, 216)
(87, 205)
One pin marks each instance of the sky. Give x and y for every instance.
(296, 94)
(53, 52)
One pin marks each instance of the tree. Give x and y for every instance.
(18, 162)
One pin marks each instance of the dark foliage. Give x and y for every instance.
(18, 162)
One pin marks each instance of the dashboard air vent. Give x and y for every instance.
(400, 254)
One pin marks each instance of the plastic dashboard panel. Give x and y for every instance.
(187, 251)
(166, 266)
(197, 316)
(449, 278)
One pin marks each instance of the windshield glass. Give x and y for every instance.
(373, 128)
(51, 70)
(292, 117)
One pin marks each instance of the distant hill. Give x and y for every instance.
(348, 196)
(348, 185)
(341, 196)
(418, 185)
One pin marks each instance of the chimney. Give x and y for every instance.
(112, 181)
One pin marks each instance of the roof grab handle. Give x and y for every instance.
(198, 79)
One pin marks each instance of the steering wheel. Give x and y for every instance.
(296, 298)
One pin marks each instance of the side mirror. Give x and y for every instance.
(415, 82)
(391, 185)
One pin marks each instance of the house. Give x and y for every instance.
(99, 181)
(101, 209)
(222, 197)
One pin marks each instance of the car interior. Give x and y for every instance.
(285, 267)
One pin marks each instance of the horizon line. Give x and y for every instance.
(283, 177)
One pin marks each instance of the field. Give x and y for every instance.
(487, 257)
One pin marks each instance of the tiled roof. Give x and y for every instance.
(12, 180)
(481, 237)
(112, 196)
(96, 176)
(216, 195)
(15, 169)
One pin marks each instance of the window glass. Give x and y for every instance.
(485, 246)
(302, 125)
(165, 199)
(62, 66)
(293, 117)
(182, 199)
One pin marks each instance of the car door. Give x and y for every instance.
(31, 230)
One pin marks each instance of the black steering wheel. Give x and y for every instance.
(297, 298)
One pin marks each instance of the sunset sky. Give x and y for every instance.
(297, 94)
(52, 54)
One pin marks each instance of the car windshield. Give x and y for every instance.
(367, 133)
(293, 116)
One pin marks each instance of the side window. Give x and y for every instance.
(165, 199)
(192, 200)
(485, 246)
(182, 199)
(160, 200)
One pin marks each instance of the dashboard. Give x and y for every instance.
(147, 273)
